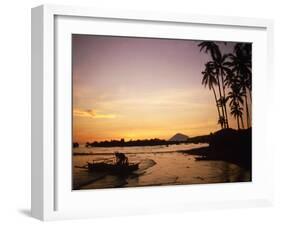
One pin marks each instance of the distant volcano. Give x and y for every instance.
(179, 137)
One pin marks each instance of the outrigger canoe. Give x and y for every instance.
(112, 168)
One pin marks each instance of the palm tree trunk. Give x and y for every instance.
(238, 125)
(247, 111)
(242, 123)
(221, 98)
(219, 114)
(224, 105)
(250, 105)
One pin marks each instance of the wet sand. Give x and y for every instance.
(166, 166)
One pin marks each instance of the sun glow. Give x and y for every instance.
(135, 88)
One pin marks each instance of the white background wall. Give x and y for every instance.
(15, 112)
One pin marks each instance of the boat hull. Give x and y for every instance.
(112, 168)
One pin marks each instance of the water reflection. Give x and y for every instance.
(158, 166)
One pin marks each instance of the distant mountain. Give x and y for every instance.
(179, 137)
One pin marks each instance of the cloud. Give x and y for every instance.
(91, 113)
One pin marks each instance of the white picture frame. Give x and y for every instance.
(52, 197)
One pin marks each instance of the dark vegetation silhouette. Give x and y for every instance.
(75, 145)
(227, 145)
(229, 76)
(146, 142)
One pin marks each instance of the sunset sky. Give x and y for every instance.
(137, 88)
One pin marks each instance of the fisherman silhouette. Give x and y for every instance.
(121, 158)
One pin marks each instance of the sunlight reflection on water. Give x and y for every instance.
(160, 165)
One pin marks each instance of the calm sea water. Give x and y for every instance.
(159, 165)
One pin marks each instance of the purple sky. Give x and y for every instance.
(140, 87)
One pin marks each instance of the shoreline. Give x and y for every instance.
(228, 145)
(207, 154)
(196, 151)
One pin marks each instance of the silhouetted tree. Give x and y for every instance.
(221, 121)
(236, 95)
(237, 112)
(220, 69)
(211, 47)
(75, 145)
(231, 73)
(210, 80)
(241, 65)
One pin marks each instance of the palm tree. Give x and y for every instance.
(223, 71)
(243, 83)
(211, 47)
(219, 65)
(231, 73)
(236, 95)
(221, 121)
(241, 64)
(237, 112)
(210, 80)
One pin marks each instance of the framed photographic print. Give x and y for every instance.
(136, 112)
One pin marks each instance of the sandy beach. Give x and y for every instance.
(159, 165)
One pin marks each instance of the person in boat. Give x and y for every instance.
(121, 159)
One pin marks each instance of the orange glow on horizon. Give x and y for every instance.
(140, 88)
